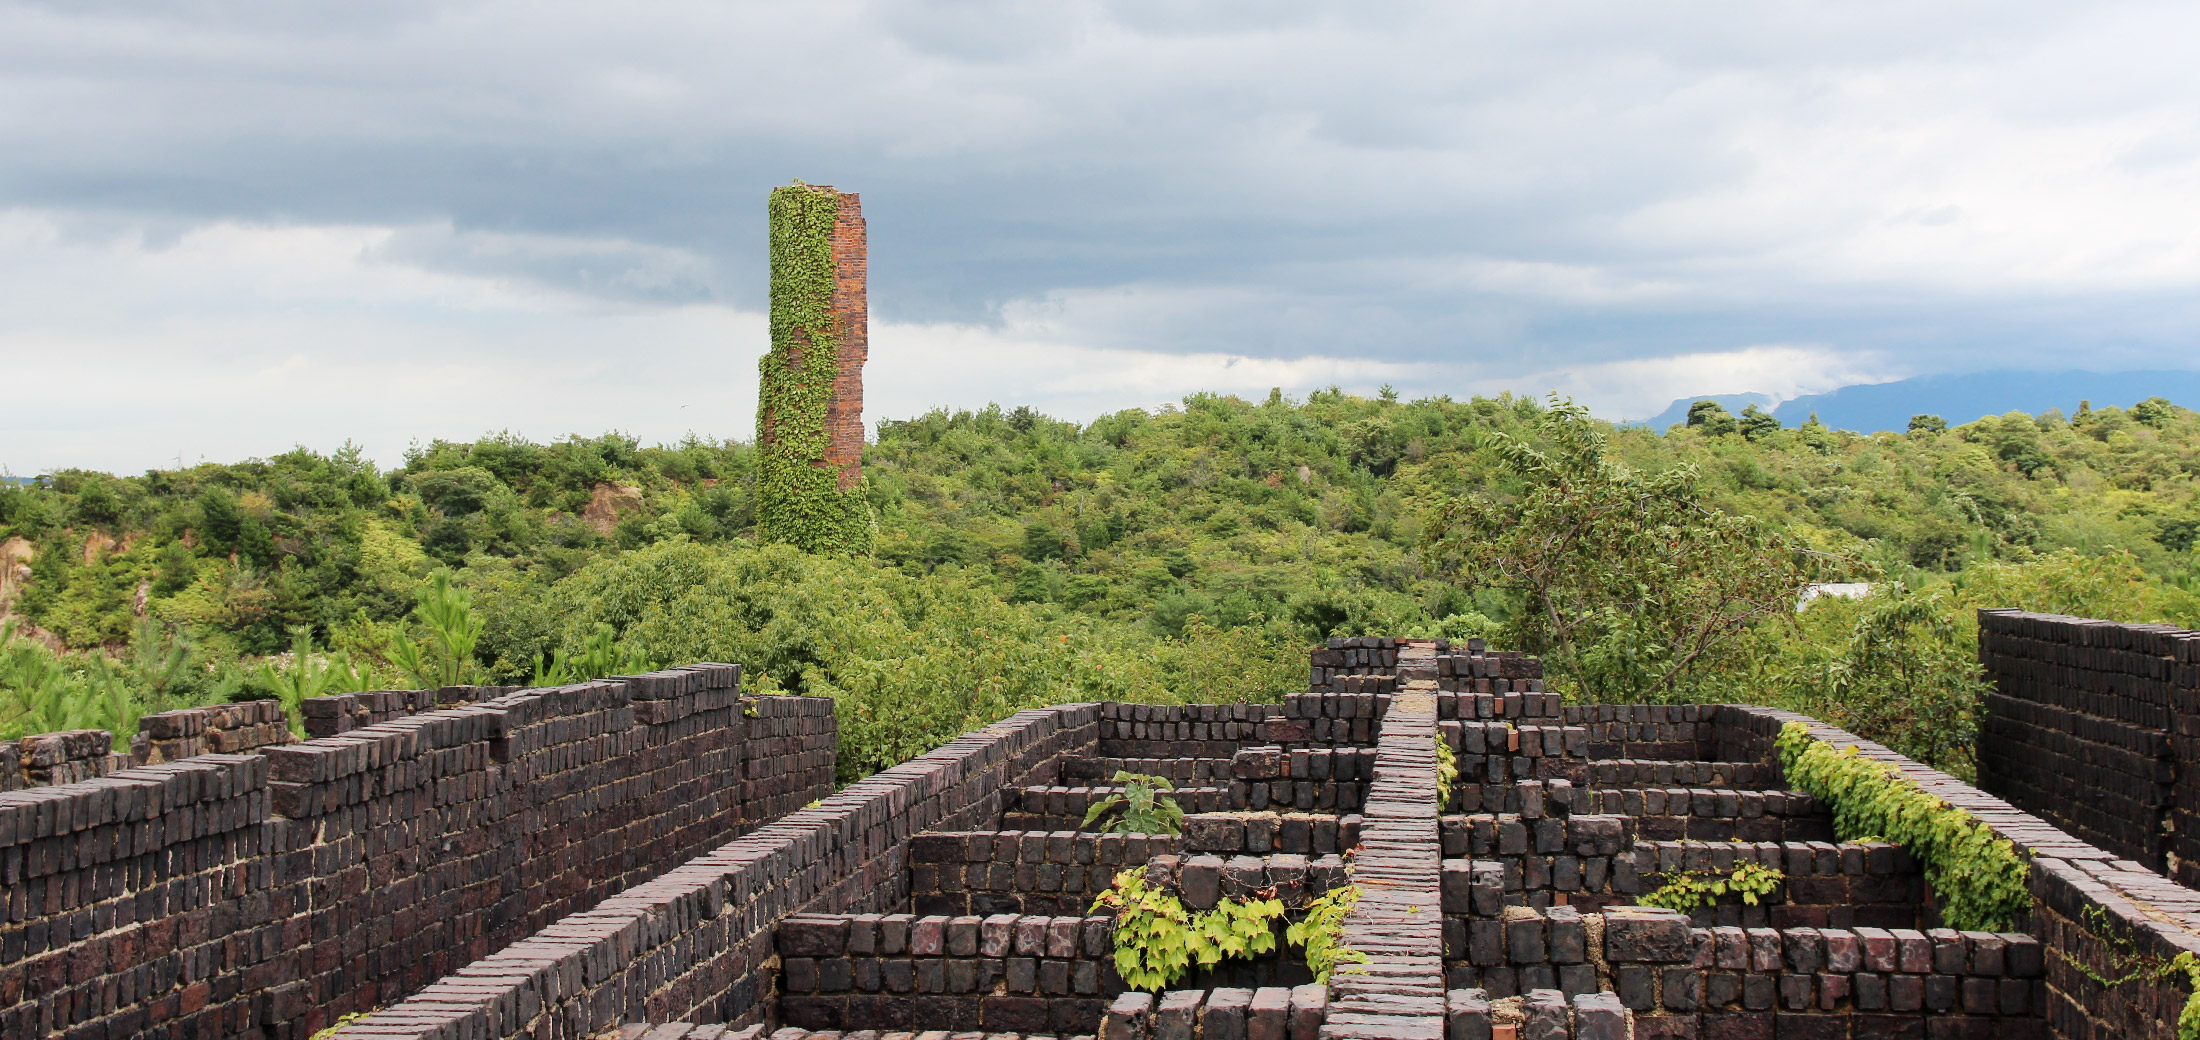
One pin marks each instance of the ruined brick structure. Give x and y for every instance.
(851, 325)
(809, 409)
(660, 857)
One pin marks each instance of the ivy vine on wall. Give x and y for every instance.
(799, 501)
(1981, 882)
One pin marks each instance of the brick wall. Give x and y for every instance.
(852, 335)
(73, 756)
(2082, 729)
(1003, 973)
(697, 943)
(265, 893)
(1021, 872)
(2094, 912)
(216, 729)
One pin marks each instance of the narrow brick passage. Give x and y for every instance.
(1399, 922)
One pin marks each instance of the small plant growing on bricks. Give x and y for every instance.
(1447, 770)
(808, 493)
(1158, 941)
(1685, 892)
(1321, 933)
(1981, 883)
(1145, 808)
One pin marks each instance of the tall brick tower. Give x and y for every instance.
(809, 409)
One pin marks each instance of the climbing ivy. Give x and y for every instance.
(1979, 879)
(798, 501)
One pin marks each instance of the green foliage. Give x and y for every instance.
(1189, 552)
(797, 500)
(1235, 928)
(305, 675)
(1687, 891)
(1978, 878)
(41, 692)
(1757, 424)
(2188, 1017)
(1629, 578)
(1153, 932)
(1145, 810)
(1905, 675)
(1321, 933)
(453, 627)
(1712, 418)
(911, 660)
(1158, 941)
(599, 655)
(1928, 424)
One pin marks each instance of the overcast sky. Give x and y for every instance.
(231, 227)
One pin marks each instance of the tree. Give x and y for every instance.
(1634, 586)
(1907, 676)
(1928, 424)
(1711, 417)
(1756, 422)
(2155, 412)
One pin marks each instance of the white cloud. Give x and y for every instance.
(1638, 389)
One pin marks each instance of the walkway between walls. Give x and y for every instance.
(1399, 922)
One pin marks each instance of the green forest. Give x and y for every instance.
(1190, 554)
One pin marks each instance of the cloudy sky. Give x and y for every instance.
(230, 227)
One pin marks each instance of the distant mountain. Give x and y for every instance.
(1959, 398)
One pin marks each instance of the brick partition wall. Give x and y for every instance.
(697, 943)
(264, 893)
(2095, 913)
(2084, 727)
(72, 756)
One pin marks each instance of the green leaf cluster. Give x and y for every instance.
(1144, 808)
(1690, 890)
(1158, 941)
(1978, 879)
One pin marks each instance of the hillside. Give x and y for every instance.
(1020, 558)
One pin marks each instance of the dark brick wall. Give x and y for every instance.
(2082, 729)
(2094, 912)
(1003, 973)
(1021, 872)
(266, 893)
(696, 943)
(73, 756)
